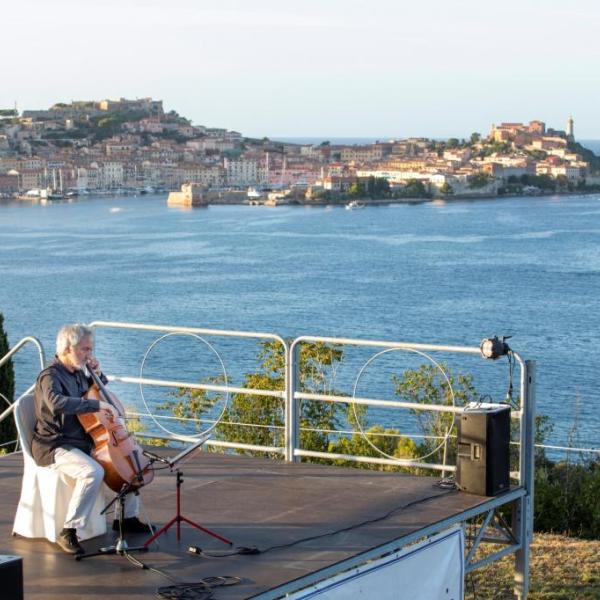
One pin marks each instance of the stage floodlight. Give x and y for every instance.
(494, 347)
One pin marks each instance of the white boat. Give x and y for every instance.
(41, 194)
(353, 205)
(34, 194)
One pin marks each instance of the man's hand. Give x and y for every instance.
(93, 364)
(105, 406)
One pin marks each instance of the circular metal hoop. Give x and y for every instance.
(358, 424)
(211, 347)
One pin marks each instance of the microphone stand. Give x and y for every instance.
(120, 547)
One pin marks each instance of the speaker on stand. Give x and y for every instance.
(483, 465)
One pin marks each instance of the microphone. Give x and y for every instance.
(155, 457)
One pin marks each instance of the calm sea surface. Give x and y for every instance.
(443, 273)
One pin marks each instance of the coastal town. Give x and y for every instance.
(134, 146)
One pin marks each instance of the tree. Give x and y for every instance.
(414, 188)
(537, 154)
(265, 414)
(8, 430)
(446, 189)
(259, 420)
(427, 385)
(544, 182)
(356, 190)
(562, 181)
(439, 147)
(378, 187)
(386, 441)
(475, 137)
(478, 180)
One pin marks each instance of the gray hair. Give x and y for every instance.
(70, 335)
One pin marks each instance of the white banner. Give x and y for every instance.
(430, 570)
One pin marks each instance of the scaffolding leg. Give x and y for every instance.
(522, 555)
(523, 509)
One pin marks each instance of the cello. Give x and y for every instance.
(114, 447)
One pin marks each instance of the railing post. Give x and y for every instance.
(292, 424)
(445, 457)
(523, 508)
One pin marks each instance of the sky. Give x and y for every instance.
(323, 68)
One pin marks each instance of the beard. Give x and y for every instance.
(80, 365)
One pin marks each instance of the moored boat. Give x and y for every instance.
(353, 205)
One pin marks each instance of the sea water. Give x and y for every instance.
(448, 273)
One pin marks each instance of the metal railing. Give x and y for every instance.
(291, 396)
(227, 389)
(292, 439)
(17, 348)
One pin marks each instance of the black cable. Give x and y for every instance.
(447, 483)
(253, 550)
(198, 590)
(195, 590)
(509, 393)
(184, 592)
(240, 550)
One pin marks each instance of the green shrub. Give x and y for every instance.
(566, 498)
(8, 430)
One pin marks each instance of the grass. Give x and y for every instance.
(561, 568)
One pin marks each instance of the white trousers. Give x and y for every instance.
(88, 476)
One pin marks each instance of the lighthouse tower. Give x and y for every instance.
(570, 129)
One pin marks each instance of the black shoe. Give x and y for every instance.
(132, 525)
(67, 540)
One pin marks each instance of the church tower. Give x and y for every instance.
(570, 129)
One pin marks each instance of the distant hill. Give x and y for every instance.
(593, 145)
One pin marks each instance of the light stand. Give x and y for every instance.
(179, 518)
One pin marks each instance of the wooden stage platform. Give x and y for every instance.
(253, 502)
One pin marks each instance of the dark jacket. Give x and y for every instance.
(58, 399)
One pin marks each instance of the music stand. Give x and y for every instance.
(179, 518)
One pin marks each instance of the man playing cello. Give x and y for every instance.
(60, 440)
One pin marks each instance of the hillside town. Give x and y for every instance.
(134, 146)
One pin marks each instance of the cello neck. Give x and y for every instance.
(101, 387)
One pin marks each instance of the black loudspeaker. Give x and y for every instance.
(483, 465)
(11, 577)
